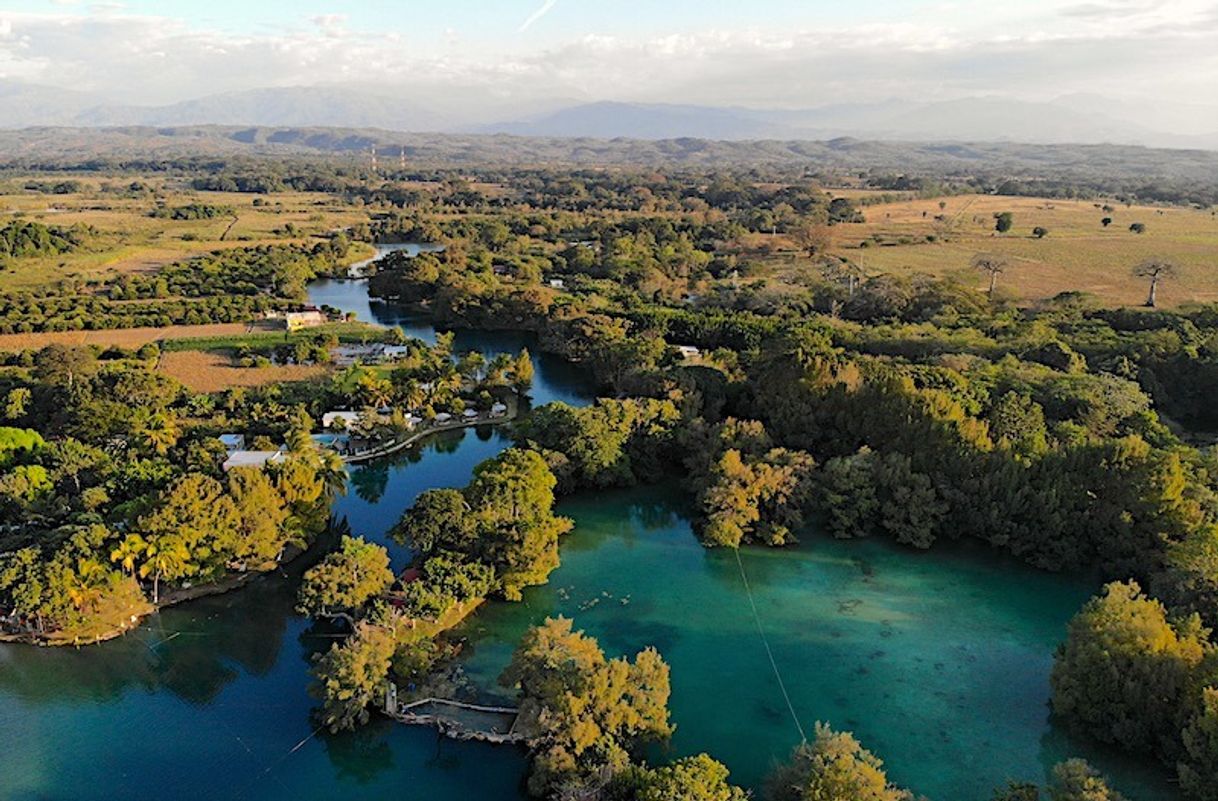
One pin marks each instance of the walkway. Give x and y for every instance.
(490, 724)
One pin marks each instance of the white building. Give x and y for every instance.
(330, 418)
(499, 410)
(689, 351)
(443, 417)
(252, 459)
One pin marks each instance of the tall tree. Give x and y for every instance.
(1155, 270)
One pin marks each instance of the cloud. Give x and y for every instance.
(546, 7)
(1036, 51)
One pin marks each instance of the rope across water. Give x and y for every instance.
(803, 738)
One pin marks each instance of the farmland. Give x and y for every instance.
(1077, 254)
(127, 239)
(212, 371)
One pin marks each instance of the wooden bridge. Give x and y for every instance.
(460, 721)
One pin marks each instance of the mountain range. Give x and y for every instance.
(1073, 119)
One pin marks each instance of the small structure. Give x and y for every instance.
(252, 459)
(469, 414)
(307, 317)
(688, 351)
(499, 409)
(413, 420)
(459, 721)
(330, 418)
(557, 283)
(232, 442)
(443, 417)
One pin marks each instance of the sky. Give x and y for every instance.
(759, 53)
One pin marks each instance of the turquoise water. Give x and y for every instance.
(939, 662)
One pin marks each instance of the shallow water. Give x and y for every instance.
(938, 662)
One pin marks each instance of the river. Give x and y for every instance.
(939, 662)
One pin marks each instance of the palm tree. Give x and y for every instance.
(158, 431)
(412, 394)
(375, 391)
(129, 552)
(87, 583)
(333, 473)
(166, 556)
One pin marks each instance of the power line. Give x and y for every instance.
(803, 738)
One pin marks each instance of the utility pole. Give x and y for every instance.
(374, 159)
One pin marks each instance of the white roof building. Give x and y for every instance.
(688, 351)
(252, 459)
(469, 414)
(499, 409)
(443, 417)
(329, 418)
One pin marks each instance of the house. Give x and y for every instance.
(252, 459)
(443, 417)
(232, 442)
(557, 283)
(349, 419)
(307, 317)
(469, 414)
(413, 420)
(499, 410)
(688, 351)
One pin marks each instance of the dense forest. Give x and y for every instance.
(828, 401)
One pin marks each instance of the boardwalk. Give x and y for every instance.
(491, 724)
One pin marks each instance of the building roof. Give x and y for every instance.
(252, 459)
(328, 419)
(232, 442)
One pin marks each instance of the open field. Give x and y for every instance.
(212, 371)
(121, 337)
(129, 240)
(1078, 254)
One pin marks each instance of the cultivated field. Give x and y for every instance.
(121, 337)
(212, 371)
(129, 240)
(1078, 253)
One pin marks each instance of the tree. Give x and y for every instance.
(263, 517)
(813, 238)
(64, 365)
(440, 520)
(696, 778)
(17, 403)
(1156, 270)
(1138, 228)
(1003, 221)
(351, 675)
(1198, 767)
(833, 767)
(587, 712)
(191, 532)
(522, 372)
(1075, 780)
(512, 501)
(1126, 674)
(1107, 221)
(345, 580)
(1040, 232)
(991, 265)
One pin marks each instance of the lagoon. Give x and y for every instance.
(938, 661)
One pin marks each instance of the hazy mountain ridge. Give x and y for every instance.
(58, 146)
(1075, 119)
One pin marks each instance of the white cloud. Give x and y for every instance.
(1162, 49)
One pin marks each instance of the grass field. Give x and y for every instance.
(1078, 254)
(121, 337)
(129, 240)
(212, 371)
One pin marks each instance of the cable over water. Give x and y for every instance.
(803, 738)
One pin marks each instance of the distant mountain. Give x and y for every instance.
(480, 110)
(971, 119)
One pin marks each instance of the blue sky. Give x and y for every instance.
(774, 53)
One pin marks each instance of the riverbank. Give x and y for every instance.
(480, 420)
(134, 616)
